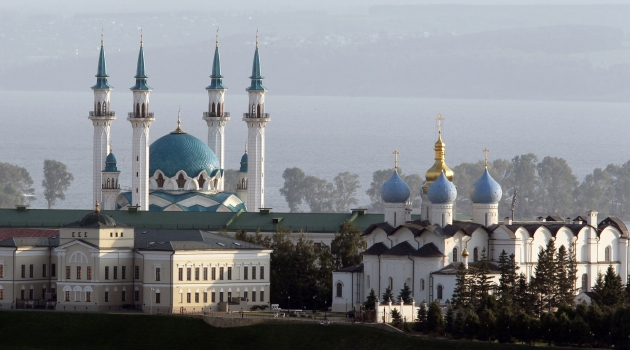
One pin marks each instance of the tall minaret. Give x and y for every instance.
(102, 119)
(216, 117)
(256, 119)
(140, 120)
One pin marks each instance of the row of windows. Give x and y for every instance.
(31, 270)
(607, 254)
(79, 274)
(31, 293)
(213, 296)
(88, 296)
(213, 272)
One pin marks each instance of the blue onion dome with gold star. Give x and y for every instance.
(486, 190)
(442, 191)
(181, 151)
(395, 190)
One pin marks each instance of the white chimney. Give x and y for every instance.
(508, 220)
(591, 218)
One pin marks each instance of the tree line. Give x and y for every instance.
(301, 273)
(543, 187)
(542, 309)
(16, 184)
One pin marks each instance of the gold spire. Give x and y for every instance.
(396, 153)
(179, 122)
(141, 42)
(485, 150)
(111, 149)
(217, 41)
(96, 208)
(245, 147)
(439, 166)
(256, 37)
(102, 40)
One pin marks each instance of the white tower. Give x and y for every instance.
(110, 186)
(256, 119)
(216, 117)
(241, 186)
(101, 118)
(141, 120)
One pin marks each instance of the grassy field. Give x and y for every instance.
(56, 330)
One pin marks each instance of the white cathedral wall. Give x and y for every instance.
(352, 285)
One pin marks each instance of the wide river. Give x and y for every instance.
(321, 135)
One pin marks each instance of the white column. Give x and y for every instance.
(140, 162)
(216, 119)
(101, 118)
(486, 214)
(256, 121)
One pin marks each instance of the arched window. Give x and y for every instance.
(440, 290)
(160, 181)
(258, 111)
(253, 111)
(454, 254)
(98, 109)
(144, 111)
(584, 282)
(213, 110)
(422, 284)
(339, 290)
(181, 181)
(104, 107)
(607, 255)
(218, 109)
(201, 181)
(476, 254)
(137, 110)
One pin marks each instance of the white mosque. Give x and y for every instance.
(178, 172)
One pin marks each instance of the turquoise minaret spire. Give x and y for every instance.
(141, 77)
(101, 73)
(256, 77)
(217, 78)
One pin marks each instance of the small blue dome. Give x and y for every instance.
(181, 151)
(110, 164)
(243, 168)
(486, 190)
(395, 190)
(442, 191)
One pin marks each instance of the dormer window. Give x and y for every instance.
(201, 181)
(160, 181)
(181, 181)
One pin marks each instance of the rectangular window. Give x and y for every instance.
(196, 297)
(254, 295)
(136, 272)
(67, 295)
(88, 296)
(188, 274)
(229, 273)
(214, 273)
(89, 272)
(78, 272)
(106, 297)
(157, 298)
(245, 273)
(31, 294)
(124, 295)
(22, 294)
(115, 272)
(23, 271)
(220, 273)
(44, 293)
(157, 274)
(106, 272)
(253, 272)
(136, 295)
(229, 297)
(262, 295)
(53, 270)
(181, 274)
(188, 298)
(220, 297)
(123, 272)
(30, 271)
(1, 294)
(245, 295)
(213, 297)
(262, 273)
(205, 273)
(196, 274)
(205, 297)
(1, 271)
(44, 271)
(68, 272)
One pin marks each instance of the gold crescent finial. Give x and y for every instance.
(111, 149)
(96, 208)
(217, 41)
(440, 121)
(396, 153)
(246, 147)
(485, 150)
(102, 40)
(141, 41)
(256, 37)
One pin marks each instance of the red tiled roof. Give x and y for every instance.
(9, 232)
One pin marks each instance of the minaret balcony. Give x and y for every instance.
(256, 115)
(145, 115)
(102, 114)
(215, 115)
(110, 187)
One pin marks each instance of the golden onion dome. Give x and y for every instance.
(465, 253)
(439, 166)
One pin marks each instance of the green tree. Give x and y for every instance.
(388, 295)
(435, 320)
(509, 275)
(346, 186)
(556, 185)
(565, 277)
(347, 245)
(609, 291)
(56, 181)
(461, 293)
(595, 191)
(414, 181)
(544, 280)
(449, 326)
(395, 317)
(292, 189)
(15, 186)
(370, 301)
(482, 279)
(318, 194)
(405, 295)
(523, 178)
(374, 192)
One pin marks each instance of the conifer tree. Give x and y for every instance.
(564, 284)
(509, 275)
(370, 302)
(450, 319)
(422, 317)
(598, 290)
(405, 295)
(544, 281)
(435, 320)
(482, 279)
(388, 295)
(461, 294)
(609, 290)
(396, 317)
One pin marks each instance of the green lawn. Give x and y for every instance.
(56, 330)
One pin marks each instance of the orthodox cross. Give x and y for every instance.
(440, 121)
(485, 150)
(396, 153)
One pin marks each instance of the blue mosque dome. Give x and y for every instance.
(181, 151)
(110, 164)
(395, 190)
(486, 190)
(243, 168)
(442, 191)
